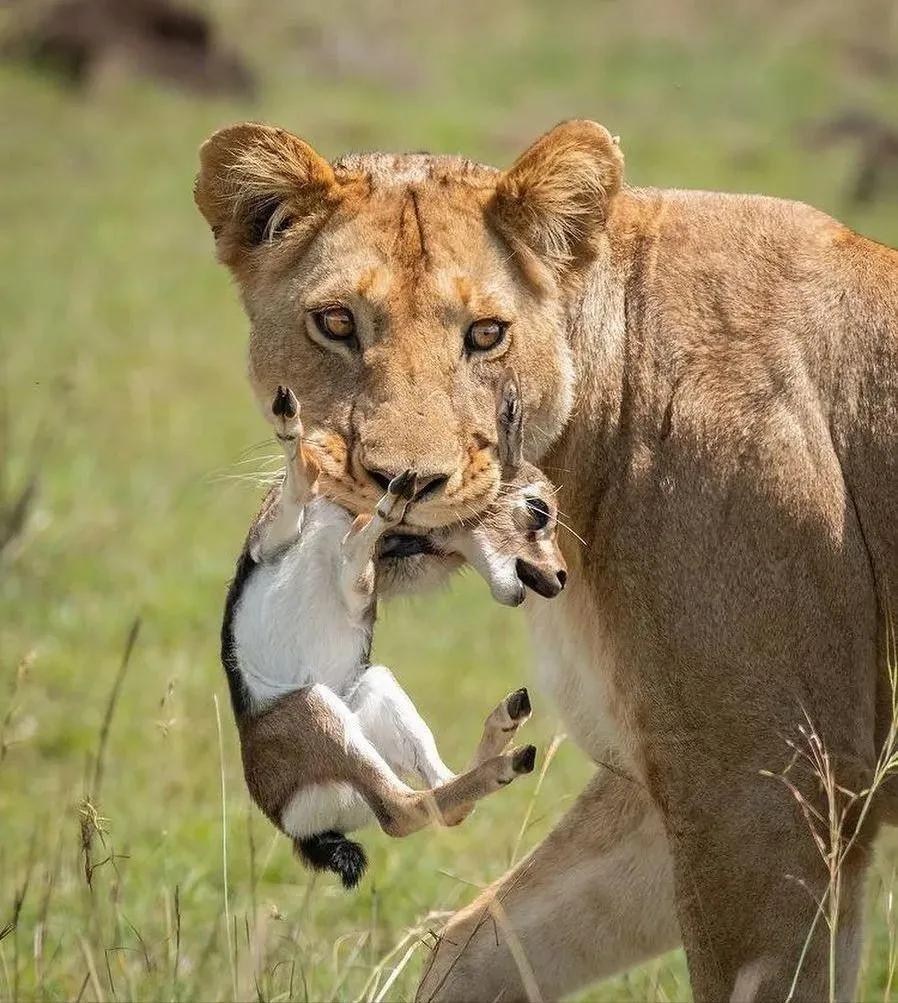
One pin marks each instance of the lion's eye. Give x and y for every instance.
(336, 323)
(484, 335)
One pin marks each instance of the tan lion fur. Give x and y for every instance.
(713, 379)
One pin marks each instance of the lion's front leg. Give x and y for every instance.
(595, 898)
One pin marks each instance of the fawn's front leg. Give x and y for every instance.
(357, 573)
(300, 477)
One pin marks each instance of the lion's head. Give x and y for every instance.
(391, 292)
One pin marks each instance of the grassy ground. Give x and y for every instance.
(122, 390)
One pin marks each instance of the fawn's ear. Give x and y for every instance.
(555, 198)
(255, 182)
(510, 421)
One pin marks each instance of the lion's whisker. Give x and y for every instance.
(256, 445)
(573, 532)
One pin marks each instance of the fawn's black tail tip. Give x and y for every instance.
(332, 851)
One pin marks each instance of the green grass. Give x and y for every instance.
(123, 389)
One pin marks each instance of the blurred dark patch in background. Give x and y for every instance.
(874, 143)
(82, 40)
(825, 69)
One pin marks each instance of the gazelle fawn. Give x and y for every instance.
(327, 739)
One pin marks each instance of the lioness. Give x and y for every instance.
(713, 380)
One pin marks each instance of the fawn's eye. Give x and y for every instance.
(484, 335)
(538, 514)
(532, 514)
(335, 322)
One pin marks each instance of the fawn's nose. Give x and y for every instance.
(544, 583)
(427, 485)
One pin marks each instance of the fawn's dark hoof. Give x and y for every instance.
(518, 704)
(524, 759)
(404, 485)
(285, 404)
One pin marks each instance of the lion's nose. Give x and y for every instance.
(427, 485)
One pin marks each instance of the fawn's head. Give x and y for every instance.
(515, 542)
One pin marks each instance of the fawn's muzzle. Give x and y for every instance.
(544, 583)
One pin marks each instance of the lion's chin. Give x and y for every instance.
(403, 573)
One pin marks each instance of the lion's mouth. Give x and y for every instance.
(433, 507)
(399, 545)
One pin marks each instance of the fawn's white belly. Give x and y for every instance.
(291, 627)
(292, 630)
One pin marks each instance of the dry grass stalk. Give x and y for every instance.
(99, 761)
(835, 829)
(18, 682)
(232, 947)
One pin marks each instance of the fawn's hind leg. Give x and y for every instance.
(498, 731)
(335, 751)
(357, 570)
(340, 781)
(443, 803)
(392, 722)
(501, 725)
(390, 719)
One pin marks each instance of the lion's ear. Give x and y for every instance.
(254, 182)
(555, 197)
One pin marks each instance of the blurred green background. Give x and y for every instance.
(123, 403)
